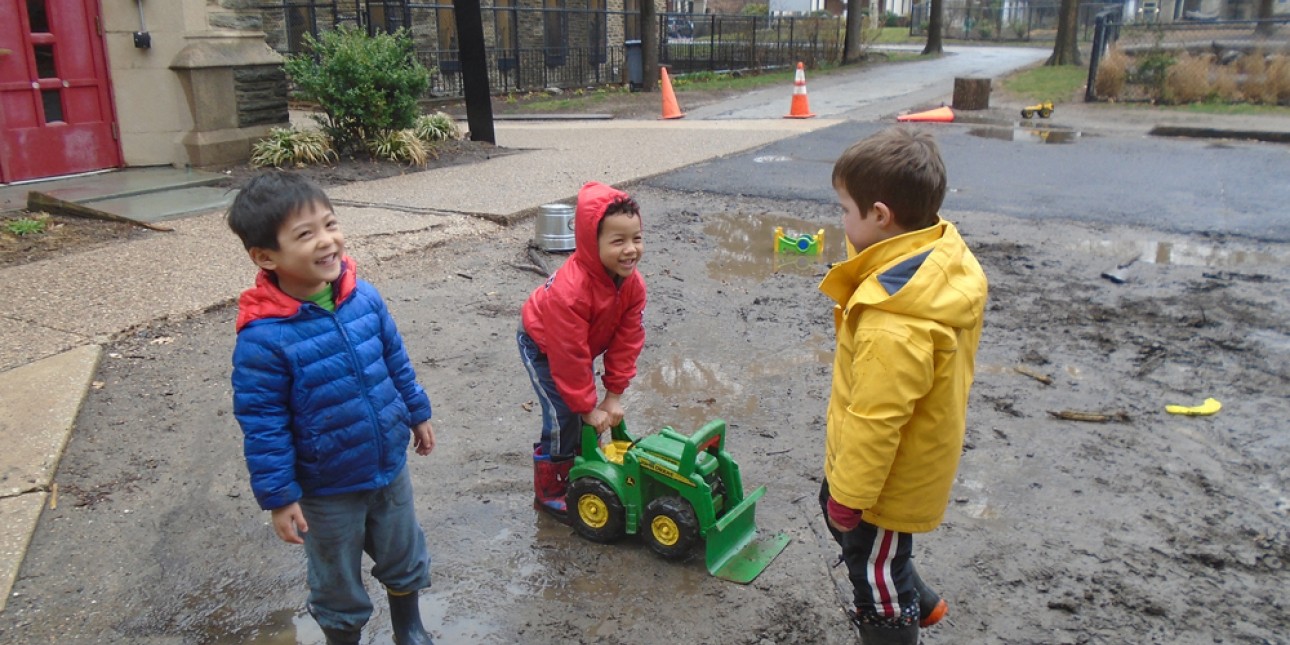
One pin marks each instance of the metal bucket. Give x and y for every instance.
(555, 228)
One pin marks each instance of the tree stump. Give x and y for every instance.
(971, 93)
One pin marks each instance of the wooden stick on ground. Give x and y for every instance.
(1094, 417)
(1042, 378)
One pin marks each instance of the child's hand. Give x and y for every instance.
(423, 438)
(289, 523)
(613, 407)
(598, 419)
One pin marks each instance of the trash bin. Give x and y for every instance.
(635, 65)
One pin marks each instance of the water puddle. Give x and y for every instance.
(771, 159)
(693, 393)
(1180, 253)
(746, 245)
(1027, 135)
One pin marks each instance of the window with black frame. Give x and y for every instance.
(449, 46)
(555, 32)
(631, 19)
(505, 35)
(598, 40)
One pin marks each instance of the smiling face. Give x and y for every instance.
(310, 247)
(621, 244)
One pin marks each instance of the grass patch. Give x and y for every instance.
(897, 36)
(577, 99)
(1239, 109)
(1058, 84)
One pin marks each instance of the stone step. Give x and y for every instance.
(167, 204)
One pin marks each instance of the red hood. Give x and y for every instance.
(593, 200)
(266, 300)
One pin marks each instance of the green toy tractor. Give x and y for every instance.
(674, 491)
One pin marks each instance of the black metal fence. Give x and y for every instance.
(1153, 47)
(559, 45)
(721, 42)
(1015, 21)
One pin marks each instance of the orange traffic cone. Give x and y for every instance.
(670, 108)
(939, 115)
(801, 108)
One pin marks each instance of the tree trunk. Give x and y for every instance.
(935, 27)
(971, 93)
(1066, 49)
(649, 46)
(1265, 28)
(852, 46)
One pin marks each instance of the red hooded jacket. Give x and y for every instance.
(579, 313)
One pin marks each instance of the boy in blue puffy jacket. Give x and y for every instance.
(328, 400)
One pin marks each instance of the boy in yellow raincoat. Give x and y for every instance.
(908, 318)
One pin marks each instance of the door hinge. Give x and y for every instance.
(98, 24)
(116, 132)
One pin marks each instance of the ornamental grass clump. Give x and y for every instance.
(1112, 74)
(436, 127)
(288, 147)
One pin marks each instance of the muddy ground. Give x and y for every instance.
(1145, 528)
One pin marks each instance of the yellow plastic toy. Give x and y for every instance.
(804, 244)
(1210, 406)
(1044, 110)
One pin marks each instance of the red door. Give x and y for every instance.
(56, 115)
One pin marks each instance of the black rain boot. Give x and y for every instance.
(931, 607)
(342, 637)
(405, 616)
(876, 635)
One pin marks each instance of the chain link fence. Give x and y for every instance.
(1228, 61)
(1006, 22)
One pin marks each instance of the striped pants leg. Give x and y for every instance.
(881, 570)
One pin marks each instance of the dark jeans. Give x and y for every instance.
(880, 565)
(561, 429)
(382, 523)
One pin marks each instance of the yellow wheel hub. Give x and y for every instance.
(593, 511)
(665, 530)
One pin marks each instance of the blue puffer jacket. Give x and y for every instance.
(326, 401)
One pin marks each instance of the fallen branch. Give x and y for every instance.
(530, 268)
(1026, 371)
(1094, 417)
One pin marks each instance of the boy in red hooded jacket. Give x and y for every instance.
(591, 306)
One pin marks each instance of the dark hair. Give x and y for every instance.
(899, 167)
(266, 201)
(620, 206)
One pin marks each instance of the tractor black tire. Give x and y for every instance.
(1027, 114)
(670, 527)
(1045, 113)
(595, 511)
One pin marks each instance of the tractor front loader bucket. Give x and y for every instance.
(734, 552)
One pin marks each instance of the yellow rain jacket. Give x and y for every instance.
(908, 320)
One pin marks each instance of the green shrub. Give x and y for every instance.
(400, 145)
(436, 127)
(757, 9)
(365, 85)
(290, 147)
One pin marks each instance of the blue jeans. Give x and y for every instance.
(382, 523)
(564, 442)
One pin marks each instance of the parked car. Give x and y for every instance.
(679, 27)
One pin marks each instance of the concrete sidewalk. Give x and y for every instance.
(59, 311)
